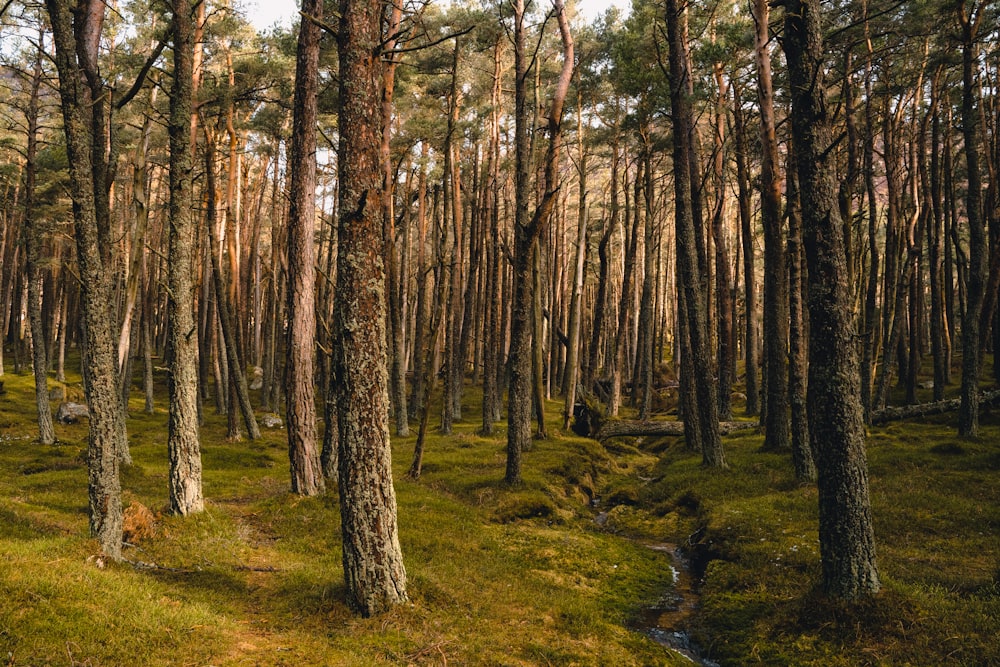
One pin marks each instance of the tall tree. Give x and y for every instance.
(373, 560)
(527, 232)
(704, 418)
(76, 31)
(969, 16)
(33, 243)
(774, 415)
(836, 424)
(183, 446)
(300, 352)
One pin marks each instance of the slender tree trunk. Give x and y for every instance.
(183, 445)
(774, 414)
(33, 243)
(968, 414)
(706, 417)
(239, 394)
(847, 542)
(397, 338)
(940, 335)
(749, 260)
(576, 303)
(492, 353)
(723, 278)
(373, 560)
(300, 399)
(798, 361)
(526, 232)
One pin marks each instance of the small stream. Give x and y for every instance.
(666, 622)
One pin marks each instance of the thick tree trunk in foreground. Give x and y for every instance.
(85, 113)
(847, 541)
(300, 397)
(705, 418)
(373, 560)
(183, 446)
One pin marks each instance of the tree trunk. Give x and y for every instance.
(183, 445)
(774, 415)
(723, 278)
(576, 302)
(968, 414)
(527, 232)
(373, 560)
(705, 418)
(397, 348)
(749, 259)
(300, 399)
(239, 394)
(33, 243)
(85, 122)
(798, 361)
(847, 541)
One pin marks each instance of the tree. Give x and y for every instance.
(527, 232)
(704, 417)
(774, 415)
(968, 415)
(836, 419)
(33, 243)
(300, 400)
(183, 445)
(85, 108)
(373, 560)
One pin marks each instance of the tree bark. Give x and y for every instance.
(527, 232)
(705, 418)
(183, 445)
(373, 560)
(847, 541)
(774, 415)
(33, 243)
(85, 122)
(300, 399)
(968, 414)
(750, 344)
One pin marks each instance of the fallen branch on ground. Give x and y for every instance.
(632, 429)
(890, 414)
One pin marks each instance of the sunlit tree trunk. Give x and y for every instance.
(300, 398)
(373, 560)
(183, 446)
(77, 35)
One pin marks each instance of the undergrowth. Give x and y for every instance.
(497, 575)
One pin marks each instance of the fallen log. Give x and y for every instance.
(634, 429)
(890, 414)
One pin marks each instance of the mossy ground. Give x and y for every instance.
(497, 576)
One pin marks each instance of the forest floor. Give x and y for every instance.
(496, 576)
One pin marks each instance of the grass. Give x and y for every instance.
(497, 576)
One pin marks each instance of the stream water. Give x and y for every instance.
(666, 621)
